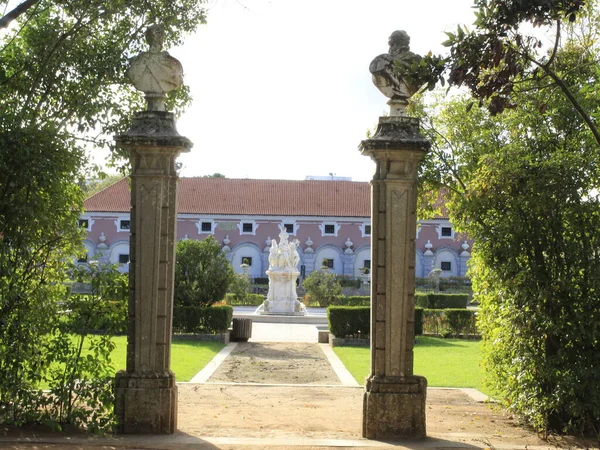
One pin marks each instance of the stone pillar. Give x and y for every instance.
(348, 260)
(146, 394)
(394, 399)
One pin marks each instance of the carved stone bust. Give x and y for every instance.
(386, 68)
(155, 72)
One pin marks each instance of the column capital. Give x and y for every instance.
(395, 133)
(153, 129)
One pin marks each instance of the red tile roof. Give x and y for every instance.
(252, 197)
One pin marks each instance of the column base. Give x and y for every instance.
(394, 408)
(146, 403)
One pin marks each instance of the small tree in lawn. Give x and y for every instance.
(323, 287)
(202, 273)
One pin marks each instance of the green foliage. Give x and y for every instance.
(499, 53)
(348, 282)
(450, 322)
(522, 185)
(418, 321)
(198, 319)
(104, 308)
(239, 289)
(441, 301)
(356, 300)
(323, 287)
(202, 273)
(349, 321)
(248, 300)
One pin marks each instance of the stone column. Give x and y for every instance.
(146, 394)
(394, 400)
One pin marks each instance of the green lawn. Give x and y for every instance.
(187, 357)
(444, 362)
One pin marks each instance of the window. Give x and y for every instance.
(84, 223)
(329, 229)
(125, 224)
(83, 259)
(206, 227)
(446, 232)
(327, 263)
(247, 228)
(124, 259)
(367, 264)
(446, 266)
(368, 230)
(289, 228)
(247, 260)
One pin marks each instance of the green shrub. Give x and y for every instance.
(421, 299)
(249, 300)
(195, 319)
(443, 301)
(418, 321)
(450, 322)
(347, 282)
(349, 321)
(354, 300)
(323, 287)
(461, 321)
(202, 273)
(239, 287)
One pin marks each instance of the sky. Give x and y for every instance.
(282, 88)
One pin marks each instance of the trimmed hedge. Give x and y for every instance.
(418, 321)
(441, 301)
(450, 322)
(194, 319)
(354, 321)
(354, 300)
(349, 321)
(251, 300)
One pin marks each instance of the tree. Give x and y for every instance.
(522, 185)
(323, 287)
(501, 59)
(202, 273)
(62, 86)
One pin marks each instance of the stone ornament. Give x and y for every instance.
(155, 72)
(282, 298)
(385, 71)
(348, 245)
(309, 244)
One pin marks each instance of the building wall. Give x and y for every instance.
(345, 240)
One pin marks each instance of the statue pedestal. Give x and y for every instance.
(282, 298)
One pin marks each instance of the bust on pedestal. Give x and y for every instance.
(394, 399)
(146, 393)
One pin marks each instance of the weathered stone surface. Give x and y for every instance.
(155, 72)
(386, 71)
(394, 399)
(394, 408)
(146, 394)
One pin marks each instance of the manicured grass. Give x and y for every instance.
(444, 362)
(187, 357)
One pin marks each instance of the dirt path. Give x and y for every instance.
(276, 363)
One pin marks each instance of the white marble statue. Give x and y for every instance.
(155, 72)
(283, 272)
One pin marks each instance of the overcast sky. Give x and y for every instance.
(282, 88)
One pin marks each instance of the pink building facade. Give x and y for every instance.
(330, 219)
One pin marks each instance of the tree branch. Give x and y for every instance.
(12, 15)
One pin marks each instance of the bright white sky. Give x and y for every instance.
(282, 88)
